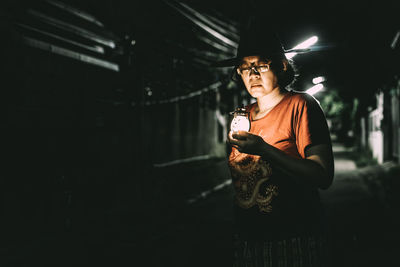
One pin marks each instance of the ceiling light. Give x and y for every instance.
(318, 80)
(306, 44)
(315, 89)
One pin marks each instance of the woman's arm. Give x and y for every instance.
(316, 169)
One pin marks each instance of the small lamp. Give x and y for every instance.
(240, 121)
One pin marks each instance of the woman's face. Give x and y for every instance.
(258, 83)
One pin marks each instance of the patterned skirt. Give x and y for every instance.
(308, 251)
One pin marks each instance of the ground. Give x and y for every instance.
(190, 222)
(361, 207)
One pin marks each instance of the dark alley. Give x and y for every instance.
(199, 133)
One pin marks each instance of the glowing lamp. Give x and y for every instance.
(240, 121)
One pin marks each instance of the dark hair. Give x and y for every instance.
(285, 77)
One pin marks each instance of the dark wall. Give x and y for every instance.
(80, 147)
(71, 170)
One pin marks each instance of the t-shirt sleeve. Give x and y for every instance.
(310, 124)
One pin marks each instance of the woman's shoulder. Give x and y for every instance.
(301, 97)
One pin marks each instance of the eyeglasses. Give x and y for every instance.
(257, 69)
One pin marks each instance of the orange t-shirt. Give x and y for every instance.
(263, 194)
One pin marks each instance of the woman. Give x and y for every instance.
(279, 165)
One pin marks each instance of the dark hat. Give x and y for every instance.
(256, 38)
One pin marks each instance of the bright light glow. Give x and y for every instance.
(240, 123)
(306, 44)
(315, 89)
(318, 80)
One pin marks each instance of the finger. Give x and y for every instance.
(230, 138)
(233, 142)
(239, 149)
(244, 133)
(238, 136)
(233, 136)
(236, 146)
(236, 142)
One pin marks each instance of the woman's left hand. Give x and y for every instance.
(247, 142)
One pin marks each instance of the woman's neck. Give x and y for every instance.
(267, 102)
